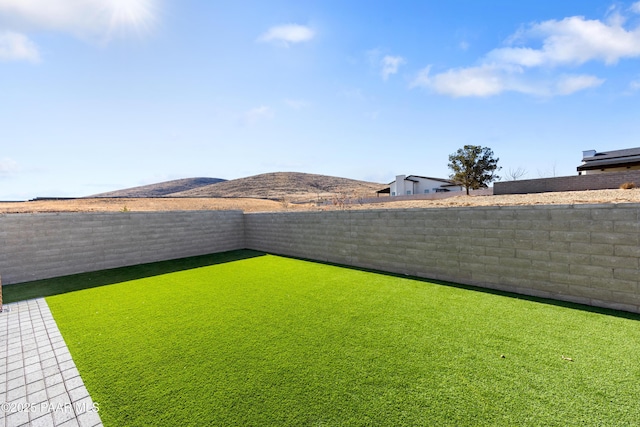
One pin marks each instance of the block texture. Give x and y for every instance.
(588, 254)
(580, 253)
(599, 181)
(39, 246)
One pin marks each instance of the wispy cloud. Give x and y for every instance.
(566, 85)
(473, 81)
(635, 7)
(490, 80)
(353, 93)
(296, 104)
(570, 42)
(372, 115)
(287, 34)
(634, 85)
(17, 47)
(99, 20)
(387, 64)
(390, 65)
(8, 166)
(254, 115)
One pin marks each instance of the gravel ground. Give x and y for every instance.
(559, 198)
(261, 205)
(139, 205)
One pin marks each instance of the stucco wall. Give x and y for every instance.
(582, 253)
(600, 181)
(37, 246)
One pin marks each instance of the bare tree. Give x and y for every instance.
(515, 174)
(548, 173)
(284, 202)
(340, 200)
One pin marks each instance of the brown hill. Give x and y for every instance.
(290, 186)
(161, 189)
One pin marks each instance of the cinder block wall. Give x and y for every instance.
(600, 181)
(38, 246)
(582, 253)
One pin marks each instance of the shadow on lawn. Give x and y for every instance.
(77, 282)
(549, 301)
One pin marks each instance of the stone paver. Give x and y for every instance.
(39, 383)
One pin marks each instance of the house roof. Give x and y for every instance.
(615, 154)
(626, 157)
(446, 181)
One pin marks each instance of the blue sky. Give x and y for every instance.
(98, 95)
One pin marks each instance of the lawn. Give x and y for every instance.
(240, 339)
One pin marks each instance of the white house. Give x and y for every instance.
(414, 184)
(609, 161)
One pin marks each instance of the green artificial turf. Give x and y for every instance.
(276, 341)
(58, 285)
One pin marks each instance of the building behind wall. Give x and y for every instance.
(414, 184)
(598, 171)
(610, 161)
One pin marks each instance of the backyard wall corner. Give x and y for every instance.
(587, 254)
(43, 245)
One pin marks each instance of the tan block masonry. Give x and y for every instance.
(581, 253)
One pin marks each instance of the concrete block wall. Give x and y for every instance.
(38, 246)
(600, 181)
(581, 253)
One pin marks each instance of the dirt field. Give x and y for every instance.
(261, 205)
(560, 198)
(140, 205)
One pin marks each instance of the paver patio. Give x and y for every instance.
(39, 382)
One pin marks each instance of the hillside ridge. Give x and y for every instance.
(291, 186)
(161, 189)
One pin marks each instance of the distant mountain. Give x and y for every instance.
(293, 186)
(163, 188)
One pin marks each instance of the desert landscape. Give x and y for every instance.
(264, 205)
(290, 191)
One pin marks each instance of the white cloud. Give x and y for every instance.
(390, 65)
(474, 81)
(567, 85)
(570, 42)
(102, 19)
(635, 7)
(634, 85)
(387, 64)
(487, 80)
(257, 114)
(17, 47)
(285, 34)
